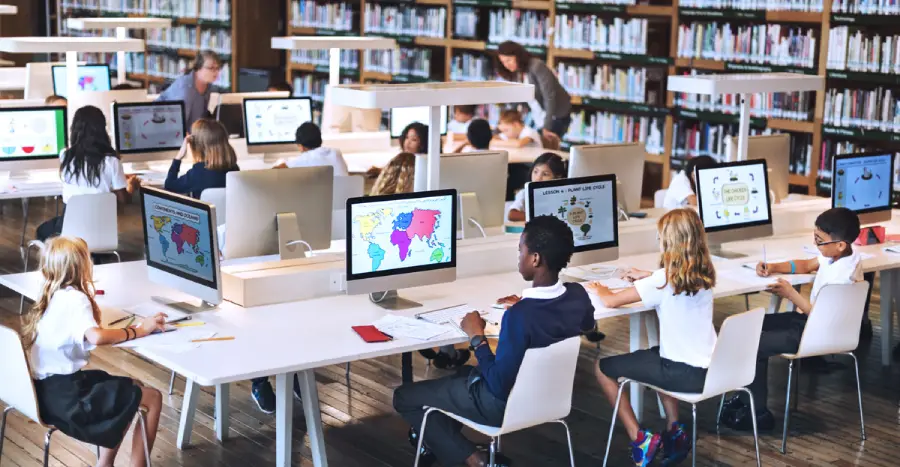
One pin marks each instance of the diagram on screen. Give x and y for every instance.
(29, 134)
(181, 239)
(863, 183)
(737, 196)
(276, 121)
(579, 215)
(156, 127)
(587, 209)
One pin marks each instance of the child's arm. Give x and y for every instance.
(611, 299)
(801, 266)
(100, 336)
(784, 289)
(516, 215)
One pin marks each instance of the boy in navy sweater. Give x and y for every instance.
(547, 313)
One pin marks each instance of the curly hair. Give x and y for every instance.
(685, 254)
(397, 177)
(552, 239)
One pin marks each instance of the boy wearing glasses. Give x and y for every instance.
(837, 263)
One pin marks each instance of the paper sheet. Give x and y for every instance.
(595, 273)
(402, 326)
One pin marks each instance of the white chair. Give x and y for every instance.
(547, 375)
(732, 368)
(832, 328)
(659, 197)
(216, 197)
(17, 392)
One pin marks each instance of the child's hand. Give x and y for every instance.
(509, 301)
(185, 148)
(133, 183)
(151, 323)
(597, 288)
(762, 269)
(781, 287)
(473, 324)
(635, 274)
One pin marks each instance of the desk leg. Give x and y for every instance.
(888, 279)
(24, 221)
(188, 406)
(310, 396)
(637, 390)
(774, 304)
(406, 370)
(284, 418)
(222, 415)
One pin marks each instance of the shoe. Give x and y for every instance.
(451, 362)
(429, 354)
(594, 336)
(426, 457)
(676, 445)
(264, 397)
(499, 459)
(297, 393)
(865, 332)
(643, 450)
(731, 407)
(742, 420)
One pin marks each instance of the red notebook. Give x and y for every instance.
(372, 334)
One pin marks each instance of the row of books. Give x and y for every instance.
(123, 6)
(402, 61)
(866, 7)
(349, 58)
(176, 37)
(405, 21)
(831, 148)
(218, 40)
(607, 128)
(465, 22)
(467, 66)
(179, 8)
(786, 105)
(217, 10)
(313, 14)
(755, 5)
(772, 44)
(604, 81)
(693, 139)
(596, 2)
(601, 34)
(863, 51)
(527, 27)
(876, 109)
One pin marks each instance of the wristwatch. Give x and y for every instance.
(476, 341)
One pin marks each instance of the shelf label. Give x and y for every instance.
(591, 7)
(732, 14)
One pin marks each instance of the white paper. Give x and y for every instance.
(445, 315)
(595, 273)
(402, 326)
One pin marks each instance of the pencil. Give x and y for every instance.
(120, 320)
(214, 339)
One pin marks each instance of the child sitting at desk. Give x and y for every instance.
(547, 313)
(60, 331)
(478, 137)
(213, 158)
(548, 166)
(682, 188)
(515, 134)
(463, 115)
(837, 263)
(682, 294)
(313, 154)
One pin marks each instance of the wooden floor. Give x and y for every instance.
(362, 430)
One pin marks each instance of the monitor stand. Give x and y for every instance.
(289, 241)
(470, 216)
(188, 308)
(392, 301)
(715, 249)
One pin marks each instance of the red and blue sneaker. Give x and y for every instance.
(644, 448)
(676, 445)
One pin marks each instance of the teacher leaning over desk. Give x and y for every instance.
(194, 87)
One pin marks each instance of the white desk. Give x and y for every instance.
(121, 25)
(8, 10)
(334, 45)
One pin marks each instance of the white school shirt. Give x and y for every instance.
(846, 270)
(678, 192)
(60, 348)
(686, 332)
(458, 127)
(112, 178)
(519, 201)
(528, 132)
(321, 156)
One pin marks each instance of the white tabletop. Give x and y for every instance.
(386, 96)
(332, 42)
(69, 44)
(9, 10)
(736, 83)
(112, 23)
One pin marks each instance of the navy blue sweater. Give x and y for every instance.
(197, 179)
(533, 323)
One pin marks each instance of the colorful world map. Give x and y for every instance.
(181, 235)
(406, 229)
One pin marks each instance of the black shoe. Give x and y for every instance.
(731, 407)
(499, 459)
(865, 332)
(264, 397)
(451, 362)
(428, 353)
(742, 420)
(594, 336)
(297, 388)
(426, 457)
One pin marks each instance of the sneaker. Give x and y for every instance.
(676, 445)
(731, 407)
(297, 393)
(426, 457)
(264, 397)
(643, 450)
(743, 420)
(594, 336)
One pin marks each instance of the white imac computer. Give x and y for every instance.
(776, 151)
(625, 161)
(864, 184)
(588, 206)
(90, 78)
(270, 124)
(229, 109)
(400, 241)
(284, 212)
(403, 116)
(148, 131)
(482, 200)
(32, 137)
(181, 247)
(734, 203)
(39, 79)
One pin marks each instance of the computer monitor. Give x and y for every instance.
(626, 161)
(400, 241)
(32, 137)
(776, 151)
(271, 123)
(588, 206)
(276, 211)
(39, 79)
(864, 184)
(403, 116)
(482, 199)
(148, 130)
(180, 244)
(255, 79)
(734, 203)
(229, 108)
(90, 78)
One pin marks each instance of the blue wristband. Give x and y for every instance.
(793, 266)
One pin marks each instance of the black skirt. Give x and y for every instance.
(89, 405)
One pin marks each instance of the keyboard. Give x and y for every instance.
(452, 314)
(146, 309)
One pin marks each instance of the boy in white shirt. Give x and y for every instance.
(837, 263)
(309, 141)
(681, 191)
(462, 117)
(515, 134)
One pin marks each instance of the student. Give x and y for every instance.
(837, 263)
(514, 133)
(682, 189)
(681, 292)
(397, 176)
(213, 158)
(60, 331)
(281, 87)
(548, 166)
(309, 141)
(124, 87)
(89, 166)
(195, 86)
(414, 138)
(547, 313)
(56, 100)
(478, 137)
(463, 115)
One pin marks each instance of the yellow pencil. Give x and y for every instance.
(213, 339)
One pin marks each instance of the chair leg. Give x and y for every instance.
(97, 451)
(694, 436)
(493, 453)
(118, 258)
(422, 436)
(568, 438)
(348, 370)
(746, 302)
(172, 383)
(499, 449)
(796, 396)
(787, 408)
(612, 424)
(142, 418)
(755, 432)
(47, 446)
(862, 423)
(6, 411)
(719, 415)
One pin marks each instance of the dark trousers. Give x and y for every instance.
(560, 125)
(780, 334)
(870, 278)
(463, 394)
(50, 228)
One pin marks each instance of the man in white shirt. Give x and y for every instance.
(309, 141)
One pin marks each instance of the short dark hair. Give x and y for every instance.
(54, 98)
(124, 87)
(309, 135)
(282, 86)
(421, 129)
(464, 109)
(479, 133)
(205, 56)
(551, 238)
(841, 224)
(698, 162)
(516, 50)
(553, 162)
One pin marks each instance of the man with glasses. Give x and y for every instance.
(195, 86)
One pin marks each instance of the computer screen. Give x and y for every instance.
(32, 133)
(149, 127)
(586, 204)
(401, 234)
(863, 182)
(231, 116)
(403, 116)
(90, 78)
(734, 195)
(275, 121)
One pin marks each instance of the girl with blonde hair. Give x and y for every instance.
(60, 331)
(681, 292)
(213, 158)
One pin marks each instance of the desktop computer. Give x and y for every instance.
(734, 203)
(278, 211)
(400, 241)
(229, 109)
(270, 124)
(32, 137)
(481, 198)
(148, 131)
(403, 116)
(776, 151)
(863, 183)
(90, 78)
(625, 161)
(588, 206)
(39, 79)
